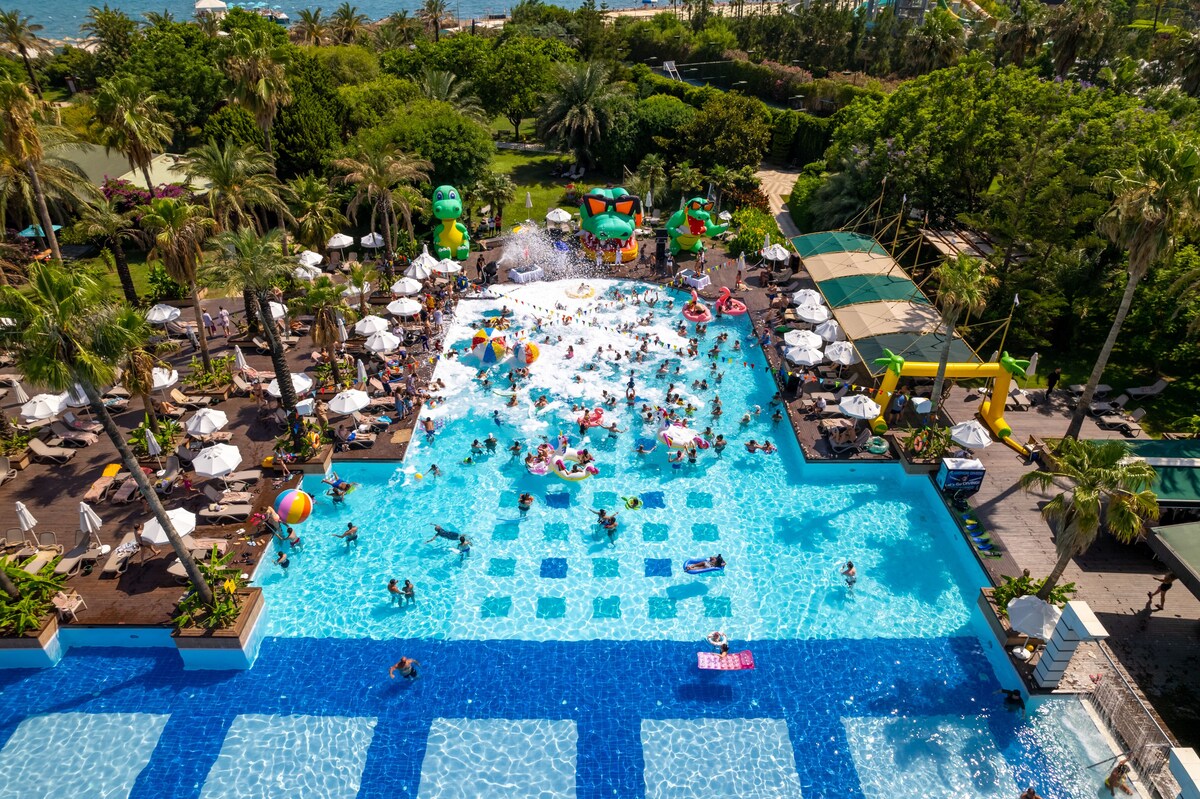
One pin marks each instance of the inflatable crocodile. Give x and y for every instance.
(450, 237)
(610, 218)
(687, 225)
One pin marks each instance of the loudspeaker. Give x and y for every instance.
(794, 262)
(660, 250)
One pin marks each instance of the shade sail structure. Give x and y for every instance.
(853, 289)
(912, 347)
(835, 241)
(1178, 546)
(888, 316)
(850, 264)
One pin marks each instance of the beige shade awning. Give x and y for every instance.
(845, 264)
(889, 316)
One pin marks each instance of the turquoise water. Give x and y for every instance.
(784, 528)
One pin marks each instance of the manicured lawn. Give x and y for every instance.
(531, 173)
(137, 268)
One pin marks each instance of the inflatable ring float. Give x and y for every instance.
(717, 638)
(696, 311)
(582, 293)
(678, 437)
(730, 306)
(559, 465)
(632, 503)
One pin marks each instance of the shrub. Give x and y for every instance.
(1013, 587)
(753, 225)
(162, 287)
(19, 616)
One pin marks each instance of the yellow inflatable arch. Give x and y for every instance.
(992, 409)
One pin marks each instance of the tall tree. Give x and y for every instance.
(374, 173)
(103, 222)
(651, 176)
(963, 287)
(398, 30)
(436, 84)
(347, 24)
(310, 28)
(241, 181)
(317, 209)
(578, 112)
(1021, 33)
(21, 34)
(497, 189)
(257, 71)
(323, 300)
(1153, 202)
(1107, 488)
(129, 120)
(68, 331)
(21, 141)
(431, 13)
(177, 231)
(407, 201)
(248, 261)
(1076, 29)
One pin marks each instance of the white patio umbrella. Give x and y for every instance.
(815, 314)
(649, 200)
(278, 310)
(803, 338)
(558, 216)
(805, 356)
(1031, 369)
(239, 359)
(528, 200)
(184, 522)
(370, 325)
(353, 291)
(383, 341)
(405, 306)
(303, 272)
(447, 267)
(371, 241)
(361, 371)
(76, 398)
(421, 267)
(89, 521)
(1034, 617)
(406, 287)
(206, 421)
(43, 406)
(343, 335)
(340, 241)
(767, 241)
(741, 262)
(971, 435)
(724, 216)
(217, 460)
(775, 252)
(808, 297)
(300, 382)
(831, 331)
(163, 378)
(22, 397)
(25, 519)
(841, 353)
(161, 314)
(153, 448)
(309, 258)
(859, 406)
(349, 401)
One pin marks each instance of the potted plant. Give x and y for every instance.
(922, 450)
(219, 635)
(28, 620)
(994, 603)
(15, 444)
(216, 382)
(170, 434)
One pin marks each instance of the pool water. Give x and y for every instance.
(556, 663)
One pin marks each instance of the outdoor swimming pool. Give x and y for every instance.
(556, 663)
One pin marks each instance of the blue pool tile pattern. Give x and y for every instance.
(496, 607)
(718, 759)
(658, 567)
(554, 568)
(551, 607)
(653, 499)
(282, 757)
(558, 499)
(606, 607)
(474, 758)
(502, 567)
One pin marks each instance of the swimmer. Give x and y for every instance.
(1013, 699)
(515, 448)
(394, 591)
(641, 449)
(613, 430)
(434, 470)
(745, 420)
(1116, 779)
(570, 351)
(490, 442)
(293, 539)
(429, 427)
(1029, 793)
(767, 447)
(542, 402)
(407, 668)
(410, 592)
(777, 417)
(476, 447)
(441, 532)
(851, 574)
(496, 416)
(752, 446)
(464, 547)
(715, 562)
(525, 502)
(281, 559)
(350, 536)
(691, 455)
(720, 443)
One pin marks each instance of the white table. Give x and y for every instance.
(694, 280)
(526, 274)
(305, 407)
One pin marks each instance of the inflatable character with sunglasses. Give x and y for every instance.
(610, 219)
(687, 225)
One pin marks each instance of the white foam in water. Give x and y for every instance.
(284, 757)
(719, 758)
(78, 754)
(499, 759)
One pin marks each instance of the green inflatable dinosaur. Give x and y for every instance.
(687, 225)
(450, 237)
(610, 218)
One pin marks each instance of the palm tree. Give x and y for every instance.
(310, 28)
(1020, 34)
(252, 262)
(1076, 28)
(651, 175)
(937, 43)
(20, 139)
(177, 231)
(359, 277)
(257, 71)
(317, 210)
(1107, 487)
(137, 375)
(104, 223)
(436, 84)
(375, 173)
(323, 300)
(129, 119)
(407, 201)
(241, 179)
(159, 19)
(431, 13)
(578, 112)
(347, 24)
(497, 189)
(398, 30)
(1187, 59)
(1153, 202)
(21, 34)
(68, 331)
(962, 287)
(63, 183)
(687, 179)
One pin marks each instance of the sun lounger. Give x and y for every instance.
(75, 423)
(118, 559)
(360, 441)
(168, 409)
(179, 328)
(6, 471)
(170, 475)
(851, 447)
(227, 497)
(1114, 408)
(371, 422)
(126, 493)
(73, 438)
(246, 476)
(40, 560)
(179, 398)
(241, 386)
(100, 488)
(67, 603)
(84, 551)
(1130, 424)
(42, 453)
(226, 514)
(201, 548)
(1146, 392)
(1017, 400)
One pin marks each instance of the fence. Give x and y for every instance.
(1136, 729)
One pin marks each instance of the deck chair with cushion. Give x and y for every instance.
(75, 423)
(841, 448)
(241, 386)
(86, 550)
(371, 422)
(201, 548)
(1018, 400)
(43, 453)
(1130, 425)
(226, 514)
(1146, 392)
(127, 491)
(170, 476)
(360, 441)
(118, 559)
(179, 398)
(179, 328)
(227, 497)
(169, 409)
(100, 489)
(41, 559)
(72, 438)
(7, 472)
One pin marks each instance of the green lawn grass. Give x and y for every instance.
(531, 173)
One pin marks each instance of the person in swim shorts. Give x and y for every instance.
(350, 536)
(407, 668)
(850, 574)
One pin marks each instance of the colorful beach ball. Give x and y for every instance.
(486, 334)
(490, 351)
(293, 506)
(526, 352)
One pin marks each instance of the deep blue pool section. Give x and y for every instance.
(606, 688)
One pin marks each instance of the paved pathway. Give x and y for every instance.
(777, 184)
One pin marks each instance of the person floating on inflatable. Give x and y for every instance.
(696, 311)
(338, 488)
(701, 565)
(727, 305)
